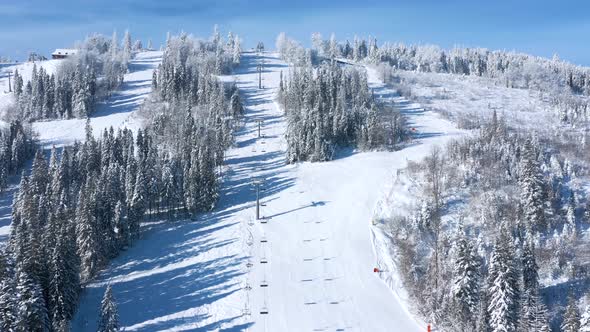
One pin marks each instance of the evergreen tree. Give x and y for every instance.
(86, 235)
(109, 316)
(571, 317)
(121, 226)
(138, 204)
(482, 323)
(65, 270)
(32, 310)
(127, 49)
(503, 286)
(466, 280)
(8, 300)
(531, 184)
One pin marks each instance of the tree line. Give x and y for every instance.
(79, 82)
(329, 107)
(516, 69)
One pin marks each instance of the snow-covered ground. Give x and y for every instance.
(474, 98)
(117, 112)
(309, 264)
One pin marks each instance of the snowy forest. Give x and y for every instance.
(330, 106)
(83, 204)
(502, 212)
(79, 83)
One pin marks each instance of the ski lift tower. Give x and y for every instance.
(257, 181)
(9, 82)
(260, 67)
(259, 125)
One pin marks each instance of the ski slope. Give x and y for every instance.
(306, 266)
(118, 112)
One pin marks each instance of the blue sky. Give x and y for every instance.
(539, 27)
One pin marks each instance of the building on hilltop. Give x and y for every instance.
(62, 53)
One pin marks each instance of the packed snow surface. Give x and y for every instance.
(307, 265)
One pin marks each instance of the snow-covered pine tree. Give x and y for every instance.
(533, 313)
(8, 299)
(466, 279)
(571, 317)
(109, 315)
(531, 183)
(86, 233)
(482, 320)
(503, 286)
(127, 47)
(121, 226)
(64, 267)
(237, 51)
(32, 310)
(137, 206)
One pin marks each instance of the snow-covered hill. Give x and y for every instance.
(307, 267)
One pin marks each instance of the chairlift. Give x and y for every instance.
(263, 150)
(263, 260)
(248, 287)
(264, 311)
(249, 264)
(263, 220)
(263, 240)
(263, 283)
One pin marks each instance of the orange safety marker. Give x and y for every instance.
(376, 270)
